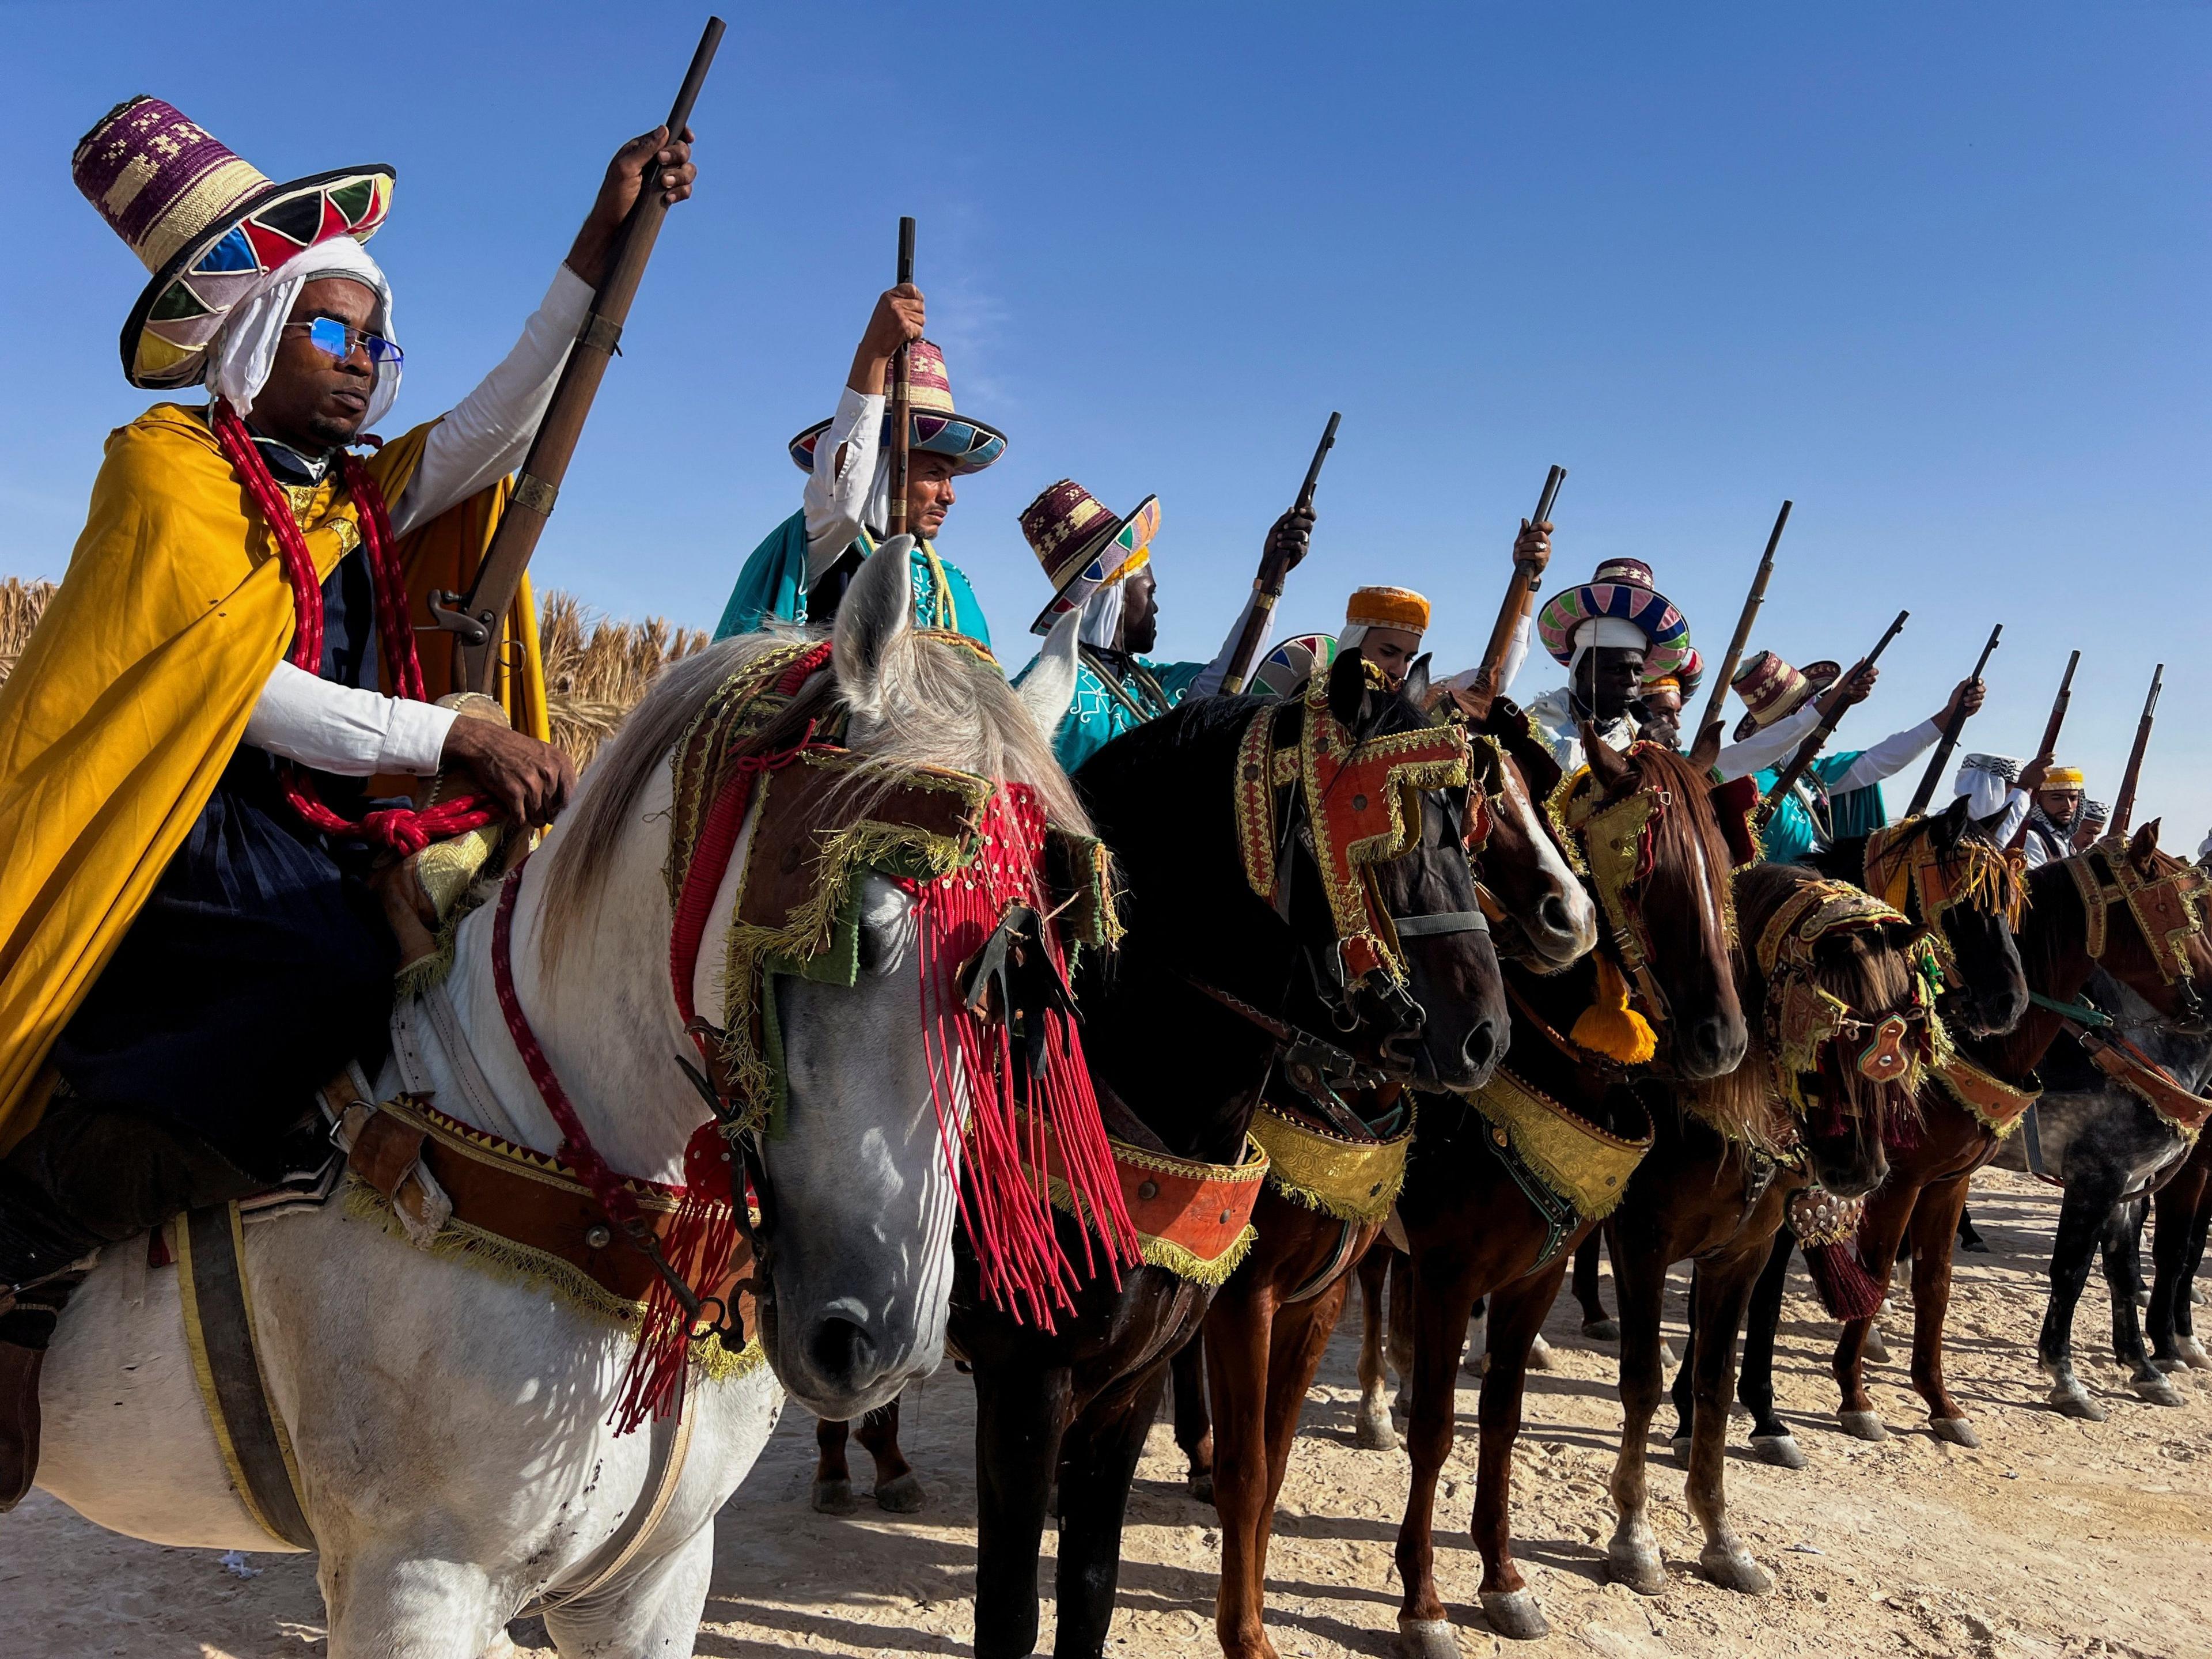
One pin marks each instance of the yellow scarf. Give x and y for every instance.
(136, 688)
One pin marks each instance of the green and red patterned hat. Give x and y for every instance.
(934, 426)
(207, 225)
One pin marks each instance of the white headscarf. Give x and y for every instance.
(245, 350)
(1101, 627)
(1986, 782)
(1617, 632)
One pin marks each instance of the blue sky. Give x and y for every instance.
(1936, 271)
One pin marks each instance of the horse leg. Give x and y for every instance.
(1375, 1431)
(655, 1613)
(1438, 1314)
(1193, 1427)
(1097, 1467)
(384, 1604)
(2185, 1316)
(1238, 1334)
(1517, 1313)
(1771, 1439)
(1400, 1324)
(1021, 1412)
(1598, 1325)
(897, 1487)
(1640, 1285)
(2123, 1277)
(1888, 1213)
(833, 1477)
(1683, 1394)
(2168, 1246)
(1715, 1314)
(2081, 1214)
(1935, 1228)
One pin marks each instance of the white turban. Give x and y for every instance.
(1101, 627)
(1617, 632)
(1986, 780)
(245, 348)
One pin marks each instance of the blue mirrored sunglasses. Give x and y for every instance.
(333, 337)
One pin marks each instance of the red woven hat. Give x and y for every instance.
(1772, 688)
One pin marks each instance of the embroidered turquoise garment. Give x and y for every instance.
(772, 586)
(1097, 715)
(1790, 836)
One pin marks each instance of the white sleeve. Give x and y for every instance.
(489, 432)
(845, 482)
(2009, 822)
(1771, 747)
(1887, 758)
(345, 729)
(1515, 654)
(1208, 684)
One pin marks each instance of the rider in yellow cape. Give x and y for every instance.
(200, 745)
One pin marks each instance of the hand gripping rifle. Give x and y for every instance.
(1520, 594)
(1267, 585)
(2051, 727)
(1952, 727)
(1702, 753)
(477, 618)
(902, 408)
(2124, 805)
(1808, 750)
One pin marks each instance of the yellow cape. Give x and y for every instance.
(136, 686)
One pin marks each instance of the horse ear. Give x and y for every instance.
(1347, 687)
(1416, 688)
(876, 614)
(1050, 686)
(2142, 847)
(1949, 825)
(1705, 753)
(1606, 764)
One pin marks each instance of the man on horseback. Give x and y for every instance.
(1101, 563)
(1613, 633)
(2054, 814)
(192, 942)
(798, 573)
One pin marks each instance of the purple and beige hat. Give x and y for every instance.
(1771, 689)
(207, 225)
(934, 427)
(1084, 545)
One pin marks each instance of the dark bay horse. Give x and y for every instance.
(1479, 1218)
(2184, 1211)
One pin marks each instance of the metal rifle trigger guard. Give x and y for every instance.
(474, 627)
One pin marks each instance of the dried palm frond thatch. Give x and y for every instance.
(21, 605)
(596, 671)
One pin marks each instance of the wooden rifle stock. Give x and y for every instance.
(1267, 585)
(2051, 728)
(476, 619)
(902, 406)
(1520, 594)
(1717, 704)
(1952, 727)
(1810, 750)
(2124, 805)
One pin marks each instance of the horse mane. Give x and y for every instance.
(940, 704)
(1693, 829)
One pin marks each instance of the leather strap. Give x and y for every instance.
(670, 1450)
(1349, 1239)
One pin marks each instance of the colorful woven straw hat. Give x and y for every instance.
(1292, 663)
(207, 225)
(1620, 588)
(934, 427)
(1084, 545)
(1686, 677)
(1388, 607)
(1771, 689)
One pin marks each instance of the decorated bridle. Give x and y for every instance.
(1925, 881)
(2166, 907)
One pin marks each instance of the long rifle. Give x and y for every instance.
(1520, 594)
(1952, 727)
(476, 619)
(2051, 728)
(1810, 750)
(1267, 585)
(1717, 704)
(902, 393)
(2124, 806)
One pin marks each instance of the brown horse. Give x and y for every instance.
(2080, 915)
(1271, 1322)
(1481, 1216)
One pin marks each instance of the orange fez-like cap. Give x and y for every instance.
(1388, 607)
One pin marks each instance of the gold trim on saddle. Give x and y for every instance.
(1350, 1180)
(1996, 1104)
(1908, 869)
(1584, 1165)
(2168, 910)
(1192, 1219)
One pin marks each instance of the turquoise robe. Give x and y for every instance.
(772, 586)
(1791, 835)
(1096, 716)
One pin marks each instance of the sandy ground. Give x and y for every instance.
(2059, 1538)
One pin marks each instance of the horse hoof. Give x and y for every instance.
(1680, 1447)
(1863, 1426)
(1540, 1355)
(834, 1498)
(1515, 1615)
(2157, 1390)
(2193, 1354)
(1602, 1330)
(1477, 1365)
(1877, 1347)
(1956, 1430)
(1667, 1356)
(903, 1496)
(1780, 1450)
(1427, 1638)
(2072, 1400)
(1201, 1488)
(1731, 1567)
(1374, 1433)
(1637, 1566)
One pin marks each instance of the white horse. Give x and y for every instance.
(451, 1428)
